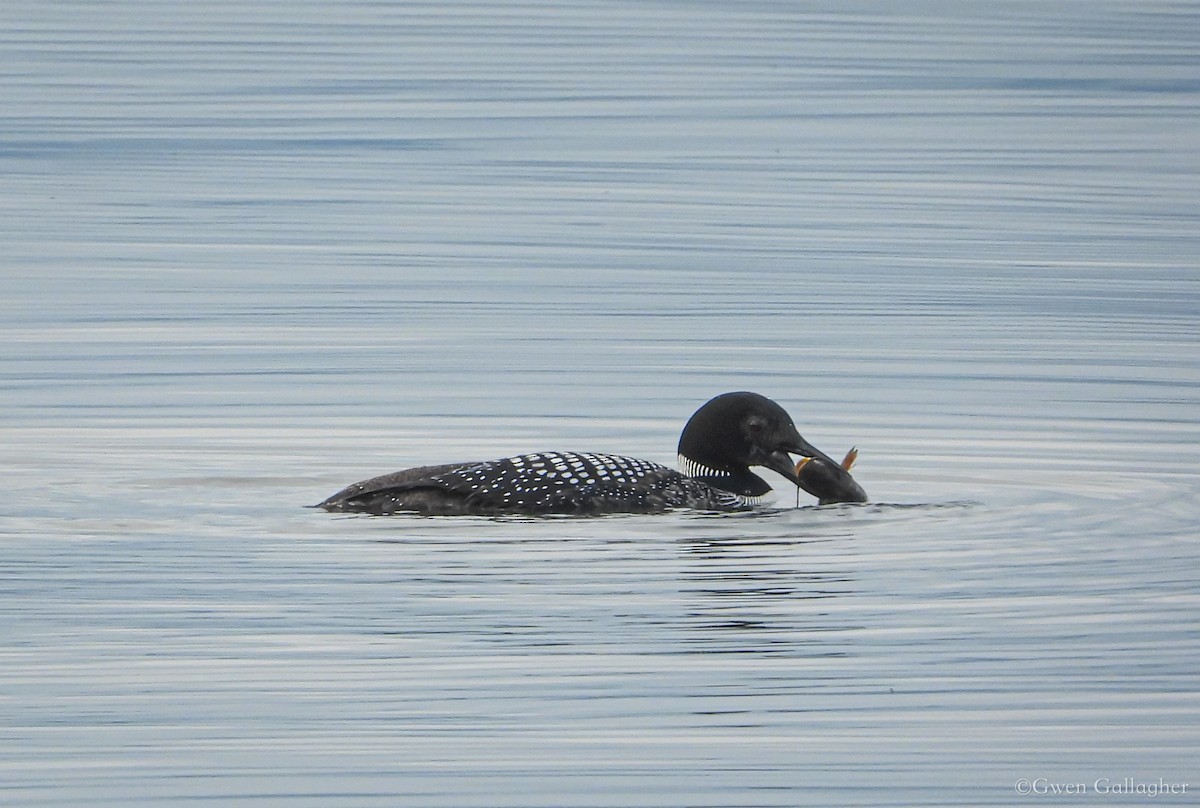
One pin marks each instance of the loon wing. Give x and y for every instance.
(543, 483)
(421, 489)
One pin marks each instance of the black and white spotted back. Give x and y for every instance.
(582, 482)
(544, 482)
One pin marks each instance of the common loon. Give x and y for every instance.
(719, 444)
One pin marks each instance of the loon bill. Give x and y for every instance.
(719, 444)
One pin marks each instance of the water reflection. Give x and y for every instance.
(765, 596)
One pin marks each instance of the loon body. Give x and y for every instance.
(719, 444)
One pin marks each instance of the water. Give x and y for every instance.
(253, 252)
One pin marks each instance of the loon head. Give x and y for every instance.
(735, 431)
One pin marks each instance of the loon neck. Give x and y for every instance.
(738, 481)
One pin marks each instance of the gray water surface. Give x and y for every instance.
(253, 252)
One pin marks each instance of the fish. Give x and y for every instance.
(830, 485)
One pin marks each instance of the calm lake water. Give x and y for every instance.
(252, 252)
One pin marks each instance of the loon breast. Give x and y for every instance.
(540, 483)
